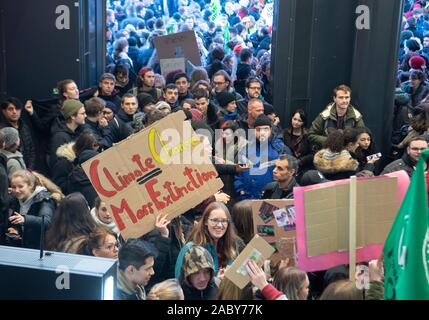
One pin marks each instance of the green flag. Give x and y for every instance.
(216, 9)
(406, 250)
(226, 37)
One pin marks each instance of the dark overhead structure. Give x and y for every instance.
(317, 46)
(42, 42)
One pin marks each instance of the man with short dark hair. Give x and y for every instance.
(284, 172)
(12, 116)
(339, 114)
(135, 268)
(171, 96)
(201, 98)
(129, 112)
(222, 82)
(97, 123)
(253, 91)
(244, 70)
(106, 89)
(409, 159)
(182, 82)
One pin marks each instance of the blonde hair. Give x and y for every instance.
(229, 291)
(36, 179)
(167, 290)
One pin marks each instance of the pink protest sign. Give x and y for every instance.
(327, 243)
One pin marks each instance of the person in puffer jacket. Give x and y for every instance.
(250, 183)
(196, 273)
(334, 161)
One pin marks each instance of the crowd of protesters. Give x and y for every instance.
(42, 147)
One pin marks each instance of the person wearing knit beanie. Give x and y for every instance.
(10, 137)
(224, 98)
(263, 127)
(9, 150)
(71, 108)
(417, 63)
(262, 121)
(228, 105)
(146, 102)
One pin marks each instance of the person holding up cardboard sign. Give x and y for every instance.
(168, 238)
(259, 280)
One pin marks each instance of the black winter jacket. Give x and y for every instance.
(27, 147)
(192, 293)
(272, 191)
(61, 135)
(43, 205)
(79, 181)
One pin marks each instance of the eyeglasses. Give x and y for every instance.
(216, 221)
(110, 246)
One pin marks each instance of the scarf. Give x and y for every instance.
(24, 206)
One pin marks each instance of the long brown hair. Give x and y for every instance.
(290, 281)
(200, 234)
(242, 217)
(71, 219)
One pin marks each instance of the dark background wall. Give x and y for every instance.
(35, 55)
(316, 46)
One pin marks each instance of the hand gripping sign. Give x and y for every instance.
(162, 169)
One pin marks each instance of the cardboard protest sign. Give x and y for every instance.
(322, 225)
(173, 64)
(258, 250)
(159, 170)
(274, 220)
(178, 45)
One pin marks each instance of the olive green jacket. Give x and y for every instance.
(327, 121)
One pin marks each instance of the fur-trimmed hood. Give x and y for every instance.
(327, 161)
(66, 151)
